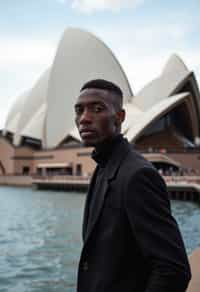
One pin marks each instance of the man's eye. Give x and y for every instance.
(97, 109)
(78, 110)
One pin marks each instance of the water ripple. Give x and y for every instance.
(40, 238)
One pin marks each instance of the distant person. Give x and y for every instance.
(131, 241)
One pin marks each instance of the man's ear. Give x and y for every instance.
(120, 117)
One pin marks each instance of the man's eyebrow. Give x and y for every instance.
(77, 104)
(90, 103)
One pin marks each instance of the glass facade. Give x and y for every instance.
(174, 129)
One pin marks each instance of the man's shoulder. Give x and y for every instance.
(137, 167)
(129, 160)
(136, 160)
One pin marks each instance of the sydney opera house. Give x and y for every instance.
(39, 138)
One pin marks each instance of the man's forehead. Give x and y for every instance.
(95, 94)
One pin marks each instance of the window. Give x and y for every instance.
(79, 169)
(26, 170)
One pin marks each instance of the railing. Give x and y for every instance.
(16, 180)
(182, 179)
(60, 177)
(71, 179)
(169, 150)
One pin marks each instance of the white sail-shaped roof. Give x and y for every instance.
(46, 112)
(14, 114)
(80, 57)
(31, 107)
(75, 134)
(174, 73)
(35, 125)
(132, 113)
(175, 66)
(156, 111)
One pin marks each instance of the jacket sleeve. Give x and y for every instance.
(148, 210)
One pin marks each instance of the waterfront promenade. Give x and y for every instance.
(186, 188)
(194, 259)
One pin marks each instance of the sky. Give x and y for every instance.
(142, 34)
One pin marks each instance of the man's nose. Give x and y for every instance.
(86, 117)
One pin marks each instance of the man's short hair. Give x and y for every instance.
(105, 85)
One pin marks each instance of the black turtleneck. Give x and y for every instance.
(102, 152)
(101, 155)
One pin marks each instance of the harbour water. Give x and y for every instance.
(40, 238)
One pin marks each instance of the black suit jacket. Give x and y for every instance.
(132, 243)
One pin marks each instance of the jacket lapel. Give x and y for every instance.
(87, 203)
(98, 206)
(112, 166)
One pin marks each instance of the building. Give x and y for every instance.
(162, 121)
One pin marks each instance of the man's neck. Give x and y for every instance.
(103, 151)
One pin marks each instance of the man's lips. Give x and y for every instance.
(87, 132)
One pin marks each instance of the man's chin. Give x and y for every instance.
(88, 143)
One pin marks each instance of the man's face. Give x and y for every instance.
(96, 116)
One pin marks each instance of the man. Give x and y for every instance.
(131, 241)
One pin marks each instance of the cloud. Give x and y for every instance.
(89, 6)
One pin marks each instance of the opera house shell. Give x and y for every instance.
(162, 119)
